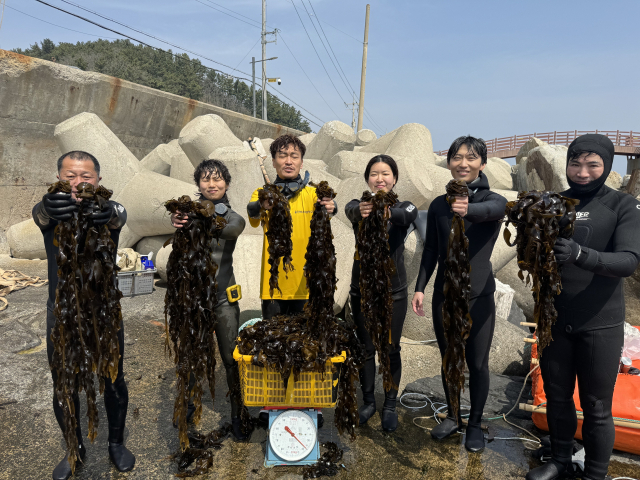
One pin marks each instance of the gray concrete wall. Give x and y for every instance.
(36, 95)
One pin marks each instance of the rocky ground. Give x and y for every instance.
(32, 444)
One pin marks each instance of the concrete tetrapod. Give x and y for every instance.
(151, 244)
(88, 133)
(26, 241)
(332, 138)
(203, 135)
(365, 137)
(498, 172)
(158, 160)
(181, 167)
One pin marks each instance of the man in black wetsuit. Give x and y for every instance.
(589, 333)
(482, 212)
(213, 179)
(77, 167)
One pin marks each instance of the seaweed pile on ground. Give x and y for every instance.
(376, 270)
(87, 310)
(199, 452)
(455, 309)
(540, 218)
(190, 302)
(277, 220)
(288, 344)
(327, 465)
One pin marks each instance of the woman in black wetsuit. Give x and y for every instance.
(382, 174)
(482, 212)
(213, 178)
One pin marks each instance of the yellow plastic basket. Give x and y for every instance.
(263, 387)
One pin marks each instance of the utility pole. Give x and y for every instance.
(264, 57)
(253, 87)
(353, 106)
(364, 68)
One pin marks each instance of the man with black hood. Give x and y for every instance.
(588, 335)
(78, 167)
(482, 211)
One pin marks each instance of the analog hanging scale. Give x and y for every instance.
(293, 438)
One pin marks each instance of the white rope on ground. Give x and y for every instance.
(11, 280)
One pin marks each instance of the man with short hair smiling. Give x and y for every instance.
(589, 333)
(287, 153)
(77, 167)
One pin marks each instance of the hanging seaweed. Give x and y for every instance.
(277, 220)
(455, 310)
(87, 310)
(190, 302)
(320, 266)
(306, 341)
(540, 218)
(376, 270)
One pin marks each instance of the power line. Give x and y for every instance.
(238, 13)
(217, 9)
(335, 28)
(248, 53)
(173, 54)
(314, 48)
(60, 26)
(292, 101)
(305, 73)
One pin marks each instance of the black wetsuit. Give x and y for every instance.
(482, 226)
(589, 333)
(116, 395)
(402, 216)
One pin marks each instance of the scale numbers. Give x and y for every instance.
(293, 435)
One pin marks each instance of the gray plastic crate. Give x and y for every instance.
(139, 282)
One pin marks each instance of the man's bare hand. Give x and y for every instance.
(365, 209)
(178, 219)
(418, 303)
(328, 204)
(460, 206)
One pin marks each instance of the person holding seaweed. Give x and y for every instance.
(213, 179)
(287, 154)
(381, 175)
(482, 212)
(55, 208)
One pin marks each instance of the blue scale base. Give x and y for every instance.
(272, 460)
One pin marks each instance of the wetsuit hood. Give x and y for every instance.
(289, 187)
(481, 182)
(594, 143)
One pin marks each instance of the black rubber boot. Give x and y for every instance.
(474, 441)
(447, 428)
(236, 429)
(388, 415)
(366, 411)
(559, 466)
(320, 420)
(595, 470)
(63, 469)
(191, 410)
(121, 457)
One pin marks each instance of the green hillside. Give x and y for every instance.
(178, 74)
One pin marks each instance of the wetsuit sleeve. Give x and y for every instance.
(489, 210)
(623, 261)
(235, 226)
(42, 218)
(403, 214)
(352, 211)
(430, 253)
(119, 217)
(253, 210)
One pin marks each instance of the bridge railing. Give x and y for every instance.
(618, 137)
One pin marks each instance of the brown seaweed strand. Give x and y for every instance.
(455, 309)
(190, 304)
(320, 266)
(376, 270)
(540, 218)
(87, 310)
(279, 226)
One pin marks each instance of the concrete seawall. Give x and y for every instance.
(36, 95)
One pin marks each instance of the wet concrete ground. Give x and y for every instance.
(31, 442)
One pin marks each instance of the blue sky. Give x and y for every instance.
(489, 69)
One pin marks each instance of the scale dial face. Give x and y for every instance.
(293, 435)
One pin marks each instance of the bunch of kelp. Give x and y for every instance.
(190, 303)
(455, 309)
(277, 221)
(306, 341)
(376, 270)
(540, 218)
(87, 309)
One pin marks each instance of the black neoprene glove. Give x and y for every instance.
(59, 206)
(103, 216)
(566, 250)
